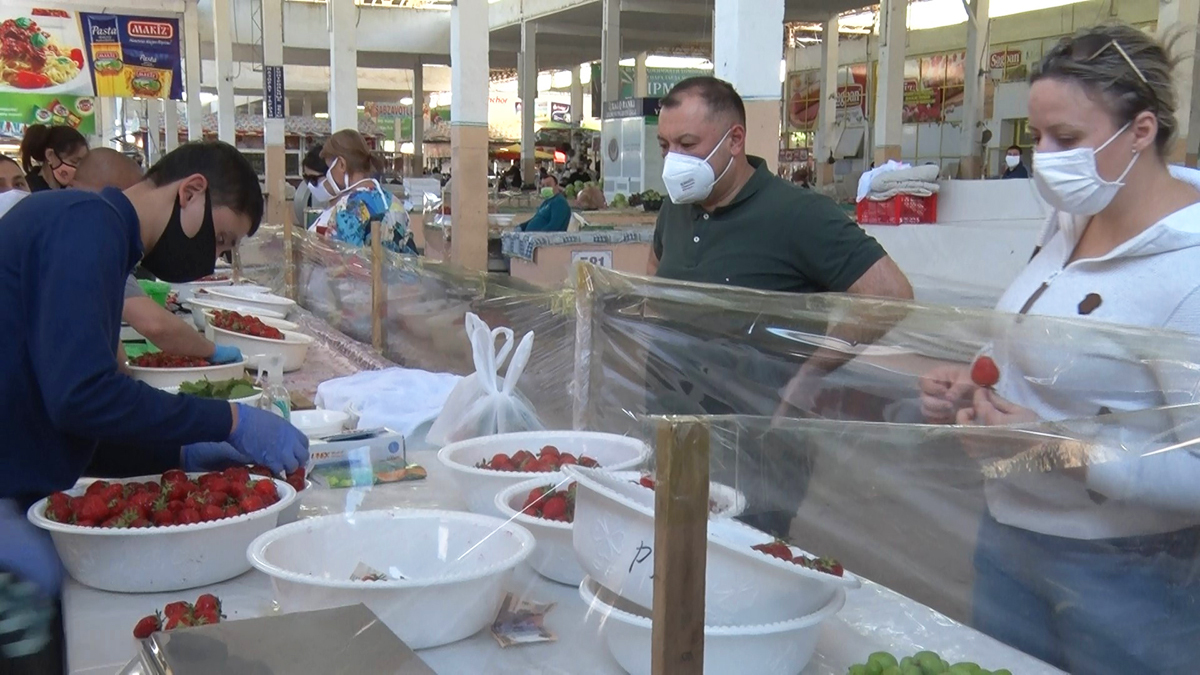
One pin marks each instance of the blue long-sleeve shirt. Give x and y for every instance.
(552, 216)
(64, 257)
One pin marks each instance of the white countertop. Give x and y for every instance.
(100, 642)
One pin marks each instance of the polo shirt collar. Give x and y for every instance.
(758, 180)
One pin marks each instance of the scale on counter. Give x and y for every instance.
(325, 642)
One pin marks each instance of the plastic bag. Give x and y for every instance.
(483, 403)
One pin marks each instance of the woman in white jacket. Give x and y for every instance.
(1095, 570)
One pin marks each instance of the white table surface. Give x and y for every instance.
(99, 624)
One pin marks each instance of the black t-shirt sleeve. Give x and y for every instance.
(832, 249)
(658, 235)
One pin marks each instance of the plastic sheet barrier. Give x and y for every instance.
(1057, 510)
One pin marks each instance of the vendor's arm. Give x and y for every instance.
(72, 322)
(165, 330)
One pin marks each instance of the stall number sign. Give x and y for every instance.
(598, 258)
(273, 92)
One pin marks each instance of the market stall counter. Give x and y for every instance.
(547, 258)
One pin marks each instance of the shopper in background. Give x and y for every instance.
(312, 170)
(800, 177)
(1095, 570)
(106, 168)
(49, 156)
(11, 176)
(1013, 166)
(359, 199)
(554, 213)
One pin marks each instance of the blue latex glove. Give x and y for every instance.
(211, 457)
(226, 354)
(27, 552)
(270, 440)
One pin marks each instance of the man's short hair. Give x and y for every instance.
(232, 181)
(720, 97)
(1013, 147)
(552, 177)
(6, 158)
(313, 160)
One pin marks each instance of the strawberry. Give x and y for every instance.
(177, 609)
(555, 508)
(588, 462)
(151, 486)
(259, 470)
(296, 479)
(265, 489)
(59, 514)
(92, 508)
(218, 498)
(984, 372)
(208, 602)
(251, 503)
(60, 499)
(207, 617)
(112, 493)
(549, 451)
(534, 496)
(236, 474)
(776, 549)
(139, 522)
(96, 488)
(829, 566)
(188, 516)
(211, 512)
(147, 626)
(646, 482)
(566, 458)
(144, 502)
(174, 506)
(521, 456)
(163, 518)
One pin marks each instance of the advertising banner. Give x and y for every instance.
(133, 56)
(43, 78)
(804, 97)
(20, 110)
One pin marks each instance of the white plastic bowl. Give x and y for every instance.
(614, 527)
(173, 377)
(292, 513)
(781, 648)
(185, 291)
(251, 401)
(207, 314)
(293, 347)
(198, 304)
(320, 423)
(554, 557)
(159, 559)
(480, 486)
(457, 566)
(253, 297)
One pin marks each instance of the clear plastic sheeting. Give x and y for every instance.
(1057, 527)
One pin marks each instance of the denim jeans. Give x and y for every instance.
(1099, 607)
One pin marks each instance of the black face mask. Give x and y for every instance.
(176, 258)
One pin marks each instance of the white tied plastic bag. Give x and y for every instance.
(484, 403)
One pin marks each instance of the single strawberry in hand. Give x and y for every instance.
(985, 372)
(147, 626)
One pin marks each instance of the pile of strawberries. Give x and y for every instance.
(165, 360)
(780, 549)
(205, 612)
(174, 500)
(547, 460)
(551, 504)
(245, 324)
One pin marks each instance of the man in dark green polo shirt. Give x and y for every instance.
(731, 221)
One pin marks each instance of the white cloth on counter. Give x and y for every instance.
(920, 181)
(914, 188)
(400, 399)
(864, 181)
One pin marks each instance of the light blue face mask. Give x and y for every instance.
(547, 192)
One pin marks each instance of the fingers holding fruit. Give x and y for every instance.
(945, 390)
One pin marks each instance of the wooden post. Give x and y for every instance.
(378, 292)
(681, 546)
(289, 258)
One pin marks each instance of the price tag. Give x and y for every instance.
(598, 258)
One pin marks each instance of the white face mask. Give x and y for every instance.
(1012, 161)
(320, 195)
(1070, 182)
(691, 179)
(321, 191)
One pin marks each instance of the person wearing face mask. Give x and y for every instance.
(312, 170)
(554, 214)
(358, 200)
(49, 156)
(64, 260)
(1013, 167)
(1095, 570)
(13, 187)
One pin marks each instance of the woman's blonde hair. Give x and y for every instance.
(1128, 69)
(351, 147)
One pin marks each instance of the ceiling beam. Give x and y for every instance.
(672, 7)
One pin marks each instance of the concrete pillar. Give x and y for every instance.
(577, 113)
(418, 123)
(306, 107)
(641, 80)
(223, 35)
(108, 120)
(889, 97)
(153, 142)
(975, 73)
(527, 82)
(469, 133)
(747, 50)
(343, 65)
(192, 69)
(827, 115)
(1182, 16)
(287, 106)
(171, 125)
(273, 125)
(610, 51)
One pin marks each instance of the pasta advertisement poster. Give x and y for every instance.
(20, 110)
(132, 56)
(41, 52)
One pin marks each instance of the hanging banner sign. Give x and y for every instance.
(132, 56)
(273, 93)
